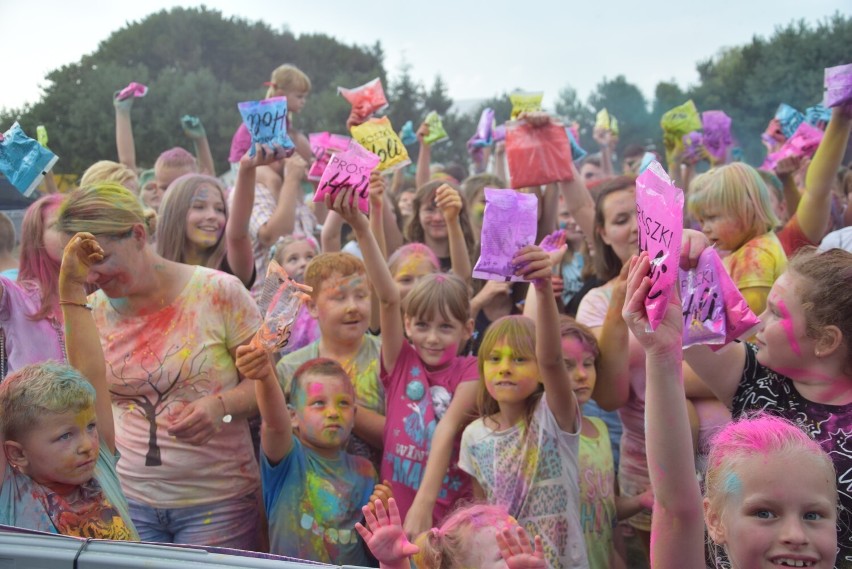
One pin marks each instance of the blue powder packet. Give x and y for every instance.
(817, 116)
(789, 118)
(407, 134)
(577, 152)
(23, 160)
(266, 121)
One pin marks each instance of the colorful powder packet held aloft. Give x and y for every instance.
(525, 103)
(716, 127)
(817, 116)
(693, 147)
(407, 134)
(804, 142)
(266, 121)
(378, 137)
(499, 133)
(789, 119)
(366, 99)
(348, 169)
(132, 90)
(740, 321)
(436, 129)
(838, 85)
(324, 145)
(537, 155)
(23, 160)
(280, 301)
(675, 123)
(577, 152)
(509, 224)
(703, 301)
(647, 158)
(41, 135)
(659, 210)
(484, 135)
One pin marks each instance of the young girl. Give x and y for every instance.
(523, 452)
(733, 206)
(771, 494)
(293, 253)
(409, 264)
(430, 390)
(191, 228)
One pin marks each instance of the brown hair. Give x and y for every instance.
(325, 265)
(607, 263)
(414, 232)
(439, 293)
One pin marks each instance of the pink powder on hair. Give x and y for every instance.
(787, 325)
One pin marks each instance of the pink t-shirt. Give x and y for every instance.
(27, 341)
(416, 399)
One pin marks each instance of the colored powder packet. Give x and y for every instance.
(773, 137)
(789, 119)
(23, 160)
(817, 116)
(659, 210)
(41, 135)
(266, 121)
(437, 133)
(499, 133)
(525, 103)
(716, 127)
(509, 224)
(803, 143)
(602, 120)
(838, 85)
(675, 123)
(132, 90)
(647, 158)
(537, 155)
(613, 125)
(703, 301)
(554, 241)
(366, 99)
(693, 147)
(348, 169)
(280, 301)
(577, 152)
(407, 134)
(740, 321)
(331, 144)
(484, 135)
(378, 137)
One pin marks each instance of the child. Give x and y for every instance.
(771, 494)
(312, 488)
(8, 242)
(293, 253)
(409, 264)
(430, 389)
(340, 302)
(523, 452)
(479, 536)
(732, 204)
(58, 464)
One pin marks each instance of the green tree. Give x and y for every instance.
(626, 102)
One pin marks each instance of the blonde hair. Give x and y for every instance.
(288, 77)
(109, 171)
(441, 293)
(737, 190)
(105, 208)
(280, 247)
(37, 389)
(172, 242)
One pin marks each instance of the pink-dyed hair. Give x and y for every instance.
(36, 266)
(412, 250)
(177, 157)
(449, 547)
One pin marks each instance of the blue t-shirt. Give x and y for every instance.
(313, 504)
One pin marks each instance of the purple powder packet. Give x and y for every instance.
(703, 303)
(717, 134)
(350, 168)
(659, 209)
(484, 135)
(693, 147)
(789, 119)
(499, 132)
(838, 85)
(509, 224)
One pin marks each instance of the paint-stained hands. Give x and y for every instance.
(518, 551)
(385, 536)
(265, 154)
(532, 263)
(81, 252)
(345, 203)
(254, 363)
(667, 338)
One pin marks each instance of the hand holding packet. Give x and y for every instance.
(804, 142)
(266, 121)
(838, 86)
(366, 99)
(324, 145)
(675, 123)
(280, 301)
(23, 160)
(484, 135)
(693, 147)
(436, 129)
(525, 103)
(537, 155)
(509, 223)
(703, 301)
(659, 214)
(348, 169)
(378, 137)
(132, 90)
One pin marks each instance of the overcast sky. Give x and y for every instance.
(480, 47)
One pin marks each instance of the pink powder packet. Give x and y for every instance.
(367, 99)
(132, 90)
(838, 85)
(323, 148)
(703, 301)
(804, 142)
(509, 224)
(280, 301)
(659, 208)
(350, 168)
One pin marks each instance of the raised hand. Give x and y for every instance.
(384, 535)
(449, 201)
(533, 264)
(253, 363)
(667, 337)
(518, 551)
(81, 252)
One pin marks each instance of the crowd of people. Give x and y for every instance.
(418, 416)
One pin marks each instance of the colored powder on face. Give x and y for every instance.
(787, 325)
(732, 484)
(314, 389)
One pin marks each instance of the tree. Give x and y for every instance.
(626, 102)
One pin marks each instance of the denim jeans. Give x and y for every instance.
(233, 523)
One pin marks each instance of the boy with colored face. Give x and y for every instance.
(312, 488)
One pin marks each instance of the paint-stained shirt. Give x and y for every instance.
(757, 264)
(597, 495)
(313, 504)
(27, 341)
(416, 400)
(532, 471)
(761, 388)
(159, 363)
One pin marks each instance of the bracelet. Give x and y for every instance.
(72, 303)
(226, 417)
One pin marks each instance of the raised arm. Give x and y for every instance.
(424, 158)
(124, 132)
(82, 341)
(677, 531)
(579, 202)
(331, 232)
(814, 208)
(283, 219)
(449, 202)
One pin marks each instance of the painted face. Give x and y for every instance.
(432, 220)
(725, 231)
(205, 219)
(151, 195)
(590, 172)
(620, 230)
(510, 377)
(342, 308)
(405, 203)
(411, 269)
(295, 258)
(115, 273)
(296, 100)
(51, 237)
(580, 362)
(325, 413)
(437, 340)
(782, 512)
(61, 450)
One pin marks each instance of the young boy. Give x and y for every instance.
(340, 302)
(57, 471)
(312, 488)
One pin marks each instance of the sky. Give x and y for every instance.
(481, 48)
